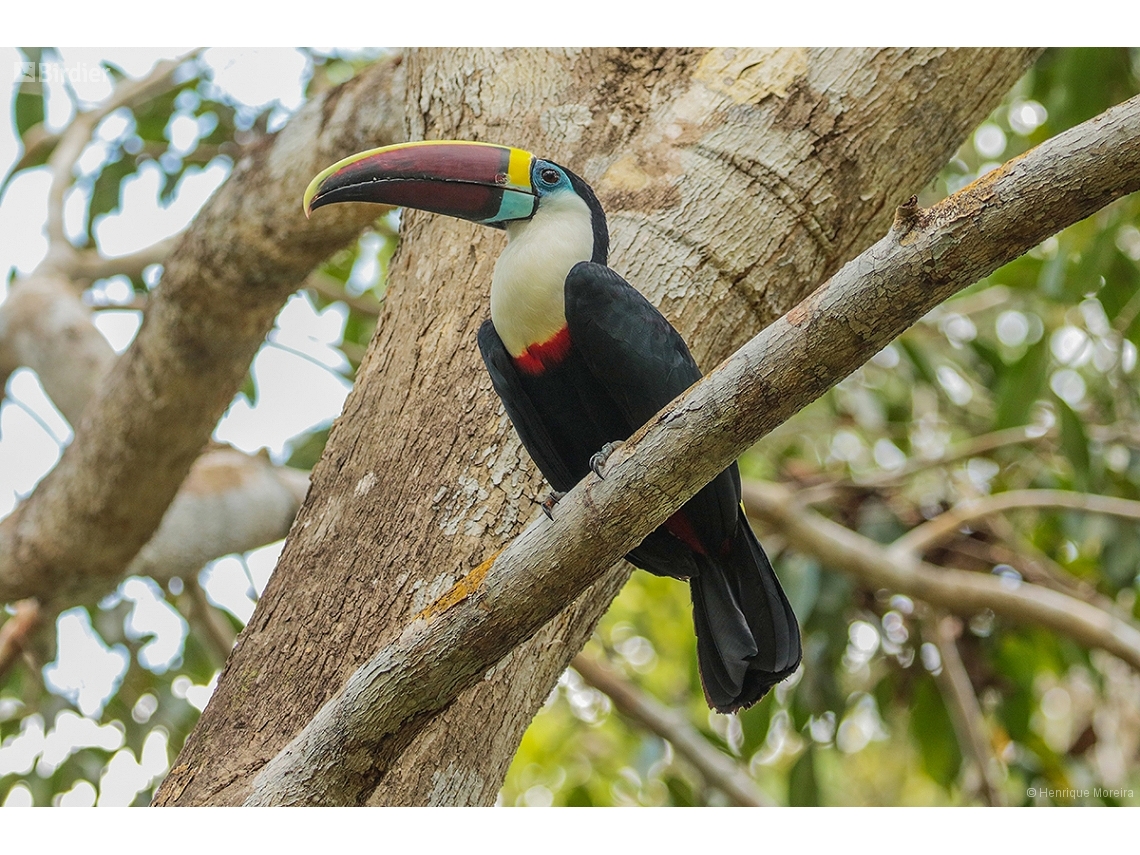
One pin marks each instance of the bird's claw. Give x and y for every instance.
(598, 461)
(548, 504)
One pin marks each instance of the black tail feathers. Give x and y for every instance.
(747, 635)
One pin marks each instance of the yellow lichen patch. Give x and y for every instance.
(460, 591)
(982, 187)
(748, 75)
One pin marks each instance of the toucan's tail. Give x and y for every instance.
(747, 636)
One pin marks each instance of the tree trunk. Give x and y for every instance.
(734, 182)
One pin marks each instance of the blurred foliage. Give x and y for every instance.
(1049, 342)
(190, 125)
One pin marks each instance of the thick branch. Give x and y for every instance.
(957, 591)
(45, 326)
(221, 288)
(229, 503)
(718, 769)
(929, 255)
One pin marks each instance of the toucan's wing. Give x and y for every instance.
(643, 363)
(629, 346)
(520, 409)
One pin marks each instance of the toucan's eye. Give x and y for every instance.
(549, 176)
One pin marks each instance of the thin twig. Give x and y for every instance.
(1031, 563)
(210, 625)
(972, 447)
(717, 768)
(953, 681)
(333, 289)
(825, 491)
(74, 139)
(1020, 552)
(919, 539)
(15, 632)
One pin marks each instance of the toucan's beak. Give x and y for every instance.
(473, 181)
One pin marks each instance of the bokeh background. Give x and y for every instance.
(1027, 381)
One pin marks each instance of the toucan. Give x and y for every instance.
(581, 360)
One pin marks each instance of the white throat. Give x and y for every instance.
(528, 305)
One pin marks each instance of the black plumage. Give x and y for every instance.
(625, 362)
(591, 361)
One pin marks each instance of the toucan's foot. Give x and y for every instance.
(598, 461)
(548, 506)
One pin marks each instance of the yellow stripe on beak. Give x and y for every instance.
(518, 173)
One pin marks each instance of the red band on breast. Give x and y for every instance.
(539, 357)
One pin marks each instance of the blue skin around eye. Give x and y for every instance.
(542, 186)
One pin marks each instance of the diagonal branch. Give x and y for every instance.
(972, 447)
(718, 769)
(957, 591)
(962, 704)
(919, 539)
(340, 756)
(221, 288)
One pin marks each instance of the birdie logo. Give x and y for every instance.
(58, 72)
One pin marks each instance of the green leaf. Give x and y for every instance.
(1052, 278)
(931, 728)
(152, 117)
(29, 107)
(114, 71)
(306, 454)
(1020, 385)
(919, 359)
(680, 792)
(105, 193)
(991, 360)
(1074, 444)
(223, 130)
(29, 101)
(1076, 84)
(580, 797)
(170, 184)
(754, 724)
(803, 789)
(1120, 558)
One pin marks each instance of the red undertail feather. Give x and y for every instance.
(547, 354)
(679, 526)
